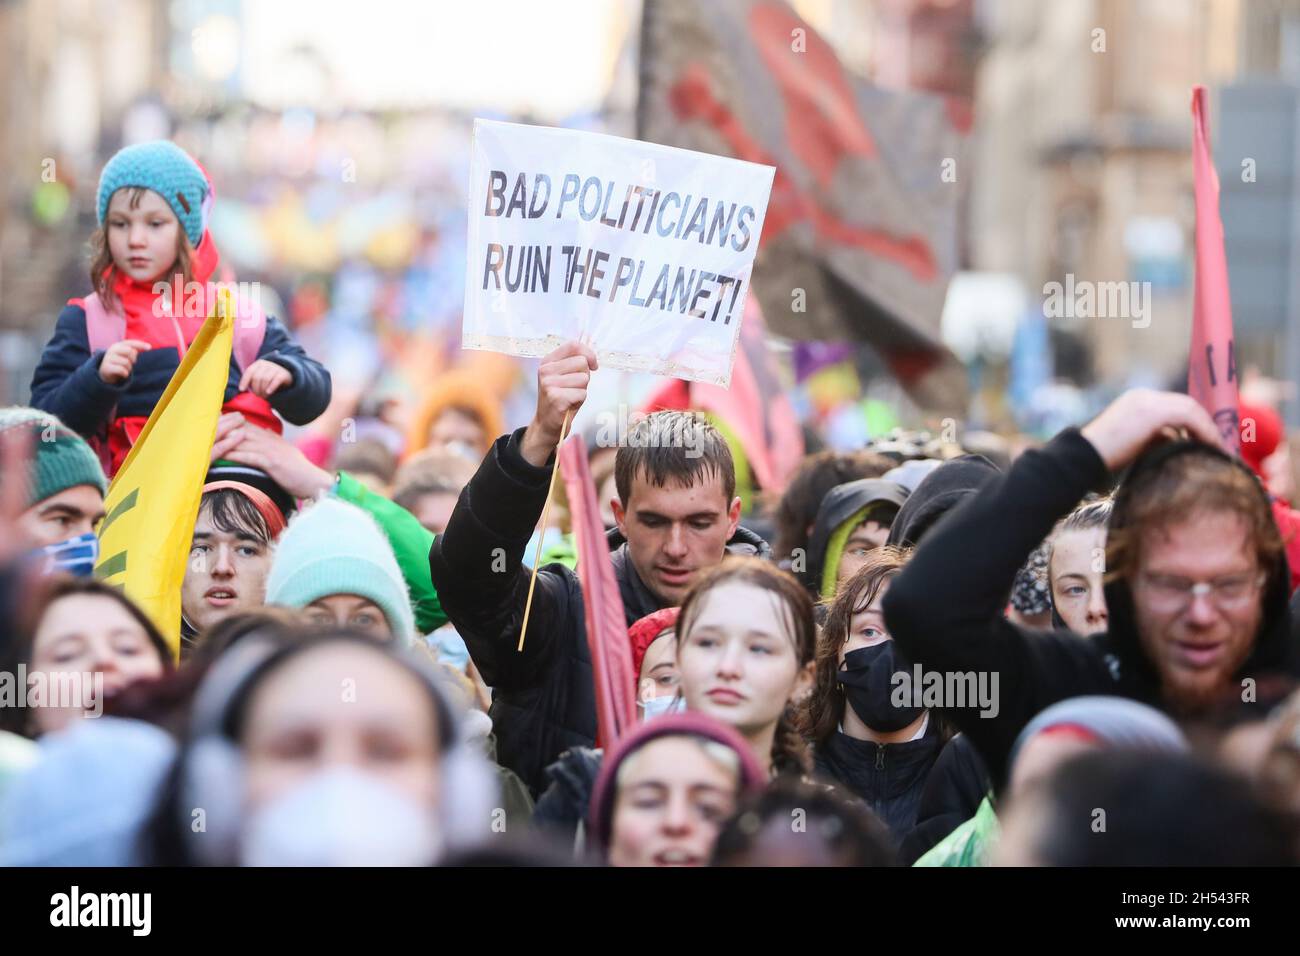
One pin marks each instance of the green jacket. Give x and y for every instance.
(410, 542)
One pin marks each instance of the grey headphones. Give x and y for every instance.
(211, 793)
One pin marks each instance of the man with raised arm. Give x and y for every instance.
(677, 513)
(1197, 579)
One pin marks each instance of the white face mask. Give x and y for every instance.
(657, 706)
(341, 817)
(464, 450)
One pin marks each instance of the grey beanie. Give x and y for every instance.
(1117, 721)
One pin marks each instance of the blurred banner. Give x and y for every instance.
(862, 228)
(643, 250)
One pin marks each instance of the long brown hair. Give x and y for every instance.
(825, 708)
(789, 749)
(103, 271)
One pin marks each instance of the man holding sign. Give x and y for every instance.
(677, 514)
(644, 253)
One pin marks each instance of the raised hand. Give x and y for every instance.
(288, 467)
(561, 389)
(1127, 425)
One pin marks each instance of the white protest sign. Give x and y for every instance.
(643, 251)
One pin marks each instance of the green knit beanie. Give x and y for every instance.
(61, 458)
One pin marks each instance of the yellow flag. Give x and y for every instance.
(153, 502)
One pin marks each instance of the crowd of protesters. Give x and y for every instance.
(1083, 654)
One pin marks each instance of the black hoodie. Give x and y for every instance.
(945, 609)
(839, 505)
(938, 493)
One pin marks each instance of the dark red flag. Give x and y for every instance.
(861, 231)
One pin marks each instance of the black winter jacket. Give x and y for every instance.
(945, 609)
(953, 791)
(543, 698)
(889, 778)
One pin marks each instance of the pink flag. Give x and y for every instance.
(611, 652)
(1212, 365)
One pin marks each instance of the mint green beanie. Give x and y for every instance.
(333, 547)
(61, 459)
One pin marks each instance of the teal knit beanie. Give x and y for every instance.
(61, 458)
(333, 547)
(170, 172)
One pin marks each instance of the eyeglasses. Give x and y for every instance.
(1167, 594)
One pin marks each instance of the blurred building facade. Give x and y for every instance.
(69, 71)
(1083, 163)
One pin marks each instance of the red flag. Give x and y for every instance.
(1212, 364)
(611, 653)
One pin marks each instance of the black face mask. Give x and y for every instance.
(867, 679)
